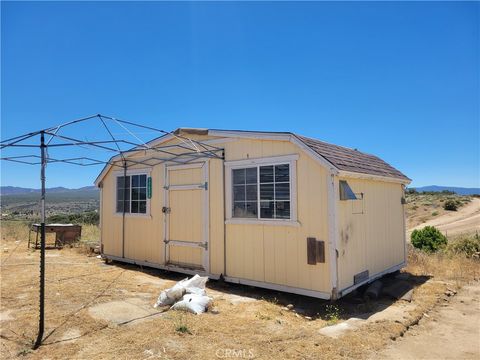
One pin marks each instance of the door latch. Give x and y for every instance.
(203, 245)
(166, 210)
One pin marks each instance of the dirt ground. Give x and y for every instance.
(465, 219)
(450, 331)
(98, 310)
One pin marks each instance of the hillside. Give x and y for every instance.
(455, 189)
(15, 190)
(24, 203)
(421, 209)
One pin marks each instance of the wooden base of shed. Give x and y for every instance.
(371, 279)
(265, 285)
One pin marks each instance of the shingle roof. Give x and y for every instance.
(352, 160)
(340, 157)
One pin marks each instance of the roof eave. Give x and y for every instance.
(358, 175)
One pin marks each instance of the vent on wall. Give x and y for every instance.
(360, 277)
(315, 251)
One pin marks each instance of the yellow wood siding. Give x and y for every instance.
(278, 254)
(186, 219)
(267, 253)
(144, 233)
(374, 240)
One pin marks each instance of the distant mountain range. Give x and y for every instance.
(457, 190)
(14, 190)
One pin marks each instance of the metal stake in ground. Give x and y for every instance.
(41, 320)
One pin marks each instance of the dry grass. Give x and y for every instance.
(262, 328)
(90, 233)
(445, 265)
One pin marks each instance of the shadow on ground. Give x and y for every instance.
(353, 305)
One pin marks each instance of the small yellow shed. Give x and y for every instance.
(270, 209)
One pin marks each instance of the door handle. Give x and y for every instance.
(166, 210)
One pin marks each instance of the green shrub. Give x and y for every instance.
(87, 217)
(428, 239)
(450, 205)
(468, 245)
(435, 213)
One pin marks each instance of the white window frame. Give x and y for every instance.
(120, 173)
(291, 160)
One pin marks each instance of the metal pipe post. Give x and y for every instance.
(41, 320)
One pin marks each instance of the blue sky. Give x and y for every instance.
(396, 79)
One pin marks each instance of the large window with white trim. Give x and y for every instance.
(262, 192)
(132, 194)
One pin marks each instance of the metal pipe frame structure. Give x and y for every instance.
(186, 151)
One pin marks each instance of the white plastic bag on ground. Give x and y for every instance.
(195, 285)
(196, 281)
(171, 295)
(196, 290)
(193, 303)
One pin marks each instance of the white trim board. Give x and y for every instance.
(269, 222)
(120, 173)
(272, 160)
(333, 232)
(162, 267)
(134, 171)
(355, 175)
(284, 288)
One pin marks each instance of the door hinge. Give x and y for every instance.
(204, 186)
(166, 210)
(203, 245)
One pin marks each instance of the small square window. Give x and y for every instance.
(132, 194)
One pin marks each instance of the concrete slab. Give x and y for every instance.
(398, 312)
(408, 296)
(337, 330)
(231, 298)
(5, 315)
(71, 335)
(119, 312)
(49, 254)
